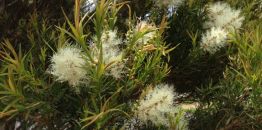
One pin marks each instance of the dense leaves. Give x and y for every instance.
(158, 44)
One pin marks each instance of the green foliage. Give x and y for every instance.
(15, 16)
(227, 84)
(29, 94)
(236, 102)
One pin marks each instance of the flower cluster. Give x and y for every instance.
(222, 15)
(158, 106)
(106, 50)
(222, 19)
(213, 40)
(67, 65)
(112, 55)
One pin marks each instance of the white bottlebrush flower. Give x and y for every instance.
(110, 39)
(67, 65)
(169, 3)
(222, 15)
(149, 31)
(112, 55)
(213, 40)
(157, 106)
(117, 70)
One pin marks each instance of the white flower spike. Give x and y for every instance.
(213, 40)
(112, 55)
(67, 65)
(222, 15)
(157, 105)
